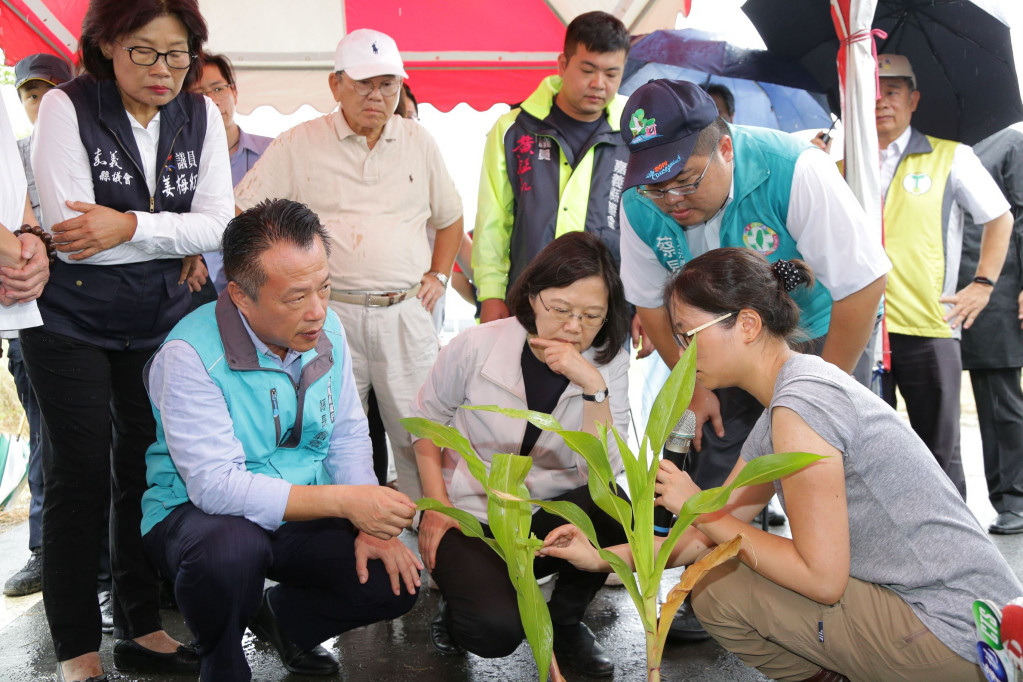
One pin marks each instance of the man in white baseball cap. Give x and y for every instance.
(376, 181)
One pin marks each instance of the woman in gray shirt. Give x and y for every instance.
(885, 560)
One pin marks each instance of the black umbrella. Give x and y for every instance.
(961, 54)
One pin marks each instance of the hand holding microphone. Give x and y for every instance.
(676, 451)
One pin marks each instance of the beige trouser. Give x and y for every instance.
(393, 349)
(870, 634)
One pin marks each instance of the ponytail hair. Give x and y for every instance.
(730, 279)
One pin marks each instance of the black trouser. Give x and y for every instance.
(928, 373)
(483, 614)
(99, 422)
(1000, 413)
(218, 565)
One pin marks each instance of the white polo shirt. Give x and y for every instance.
(375, 203)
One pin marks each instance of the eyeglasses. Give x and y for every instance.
(564, 315)
(147, 56)
(387, 88)
(681, 190)
(217, 92)
(683, 339)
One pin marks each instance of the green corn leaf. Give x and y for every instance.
(470, 525)
(673, 399)
(445, 436)
(577, 517)
(509, 519)
(538, 419)
(772, 467)
(600, 482)
(536, 622)
(761, 470)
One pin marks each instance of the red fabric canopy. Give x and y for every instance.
(481, 52)
(31, 26)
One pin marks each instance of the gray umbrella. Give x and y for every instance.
(961, 54)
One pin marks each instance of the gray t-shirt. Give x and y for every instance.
(909, 530)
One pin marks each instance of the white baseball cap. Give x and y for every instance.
(365, 53)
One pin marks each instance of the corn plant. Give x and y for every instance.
(509, 516)
(635, 516)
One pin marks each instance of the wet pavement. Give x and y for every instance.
(401, 650)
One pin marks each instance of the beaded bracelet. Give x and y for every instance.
(47, 239)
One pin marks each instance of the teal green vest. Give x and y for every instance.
(285, 431)
(755, 218)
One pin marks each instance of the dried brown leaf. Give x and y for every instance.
(690, 577)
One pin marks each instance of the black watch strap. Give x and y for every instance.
(984, 280)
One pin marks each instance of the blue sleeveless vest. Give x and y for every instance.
(285, 430)
(755, 218)
(129, 306)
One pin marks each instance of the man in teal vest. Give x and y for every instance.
(928, 182)
(696, 183)
(262, 466)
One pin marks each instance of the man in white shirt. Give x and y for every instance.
(376, 181)
(928, 182)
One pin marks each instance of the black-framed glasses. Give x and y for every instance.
(217, 92)
(387, 88)
(683, 339)
(564, 315)
(147, 56)
(681, 190)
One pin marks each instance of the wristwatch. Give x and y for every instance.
(441, 277)
(598, 397)
(983, 280)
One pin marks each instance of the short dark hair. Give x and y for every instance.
(222, 63)
(570, 258)
(597, 32)
(709, 137)
(724, 93)
(729, 279)
(107, 20)
(251, 233)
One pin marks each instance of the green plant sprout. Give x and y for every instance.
(636, 517)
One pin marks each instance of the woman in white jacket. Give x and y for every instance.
(563, 353)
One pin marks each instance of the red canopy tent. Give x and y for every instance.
(481, 52)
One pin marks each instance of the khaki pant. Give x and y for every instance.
(393, 349)
(870, 634)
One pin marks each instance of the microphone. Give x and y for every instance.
(676, 451)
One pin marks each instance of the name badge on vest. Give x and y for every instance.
(760, 238)
(917, 183)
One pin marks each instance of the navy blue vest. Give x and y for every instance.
(130, 306)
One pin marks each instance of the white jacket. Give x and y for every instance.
(482, 366)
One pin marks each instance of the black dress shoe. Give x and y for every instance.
(106, 612)
(94, 678)
(1007, 523)
(685, 627)
(576, 647)
(130, 656)
(443, 642)
(316, 661)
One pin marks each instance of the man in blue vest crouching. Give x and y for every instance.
(262, 465)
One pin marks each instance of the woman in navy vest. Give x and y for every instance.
(133, 175)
